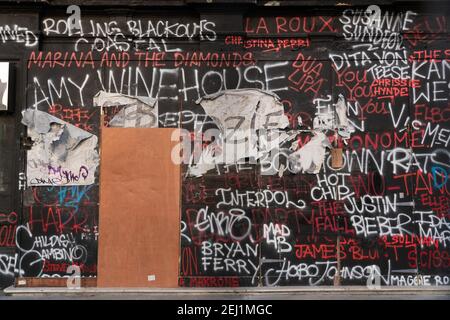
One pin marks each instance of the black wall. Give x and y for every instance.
(392, 215)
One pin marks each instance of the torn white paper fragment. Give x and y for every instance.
(206, 162)
(137, 111)
(62, 154)
(242, 116)
(245, 109)
(341, 110)
(310, 157)
(345, 129)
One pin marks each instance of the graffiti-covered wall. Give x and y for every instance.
(315, 141)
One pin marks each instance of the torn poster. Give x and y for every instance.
(62, 154)
(341, 111)
(134, 111)
(245, 109)
(333, 116)
(344, 127)
(248, 121)
(310, 157)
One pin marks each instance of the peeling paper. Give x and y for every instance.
(62, 154)
(206, 162)
(345, 129)
(263, 108)
(270, 148)
(138, 111)
(310, 157)
(249, 115)
(334, 117)
(341, 111)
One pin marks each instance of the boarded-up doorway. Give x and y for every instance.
(139, 240)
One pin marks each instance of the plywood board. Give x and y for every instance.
(52, 282)
(139, 241)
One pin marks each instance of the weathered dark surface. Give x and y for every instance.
(405, 236)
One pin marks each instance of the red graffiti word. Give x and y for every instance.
(439, 204)
(150, 59)
(329, 251)
(189, 261)
(426, 30)
(390, 88)
(118, 59)
(8, 236)
(283, 25)
(79, 117)
(375, 107)
(61, 219)
(332, 224)
(377, 141)
(59, 59)
(268, 44)
(404, 241)
(370, 183)
(62, 267)
(325, 208)
(421, 183)
(432, 114)
(354, 81)
(213, 59)
(317, 251)
(8, 224)
(430, 55)
(429, 258)
(209, 282)
(307, 75)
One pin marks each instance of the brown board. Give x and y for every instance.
(53, 282)
(139, 241)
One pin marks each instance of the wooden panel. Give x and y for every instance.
(52, 282)
(139, 209)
